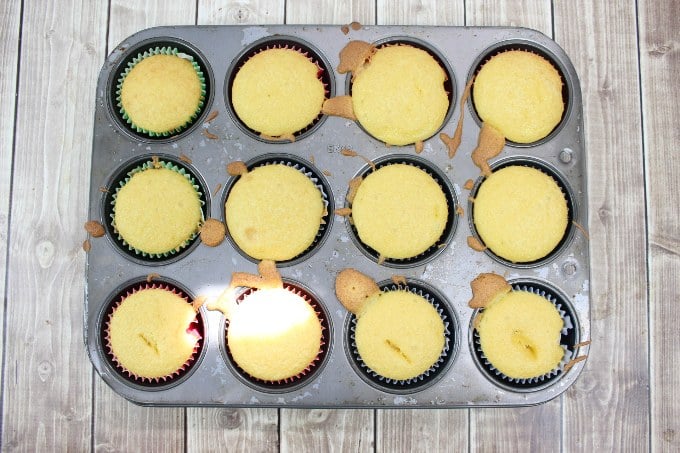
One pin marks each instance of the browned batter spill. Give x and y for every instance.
(237, 168)
(399, 280)
(339, 106)
(583, 230)
(485, 288)
(354, 184)
(155, 162)
(469, 184)
(452, 143)
(212, 116)
(460, 211)
(343, 212)
(574, 361)
(475, 244)
(213, 232)
(184, 158)
(151, 277)
(209, 134)
(490, 144)
(217, 188)
(419, 146)
(354, 55)
(86, 245)
(94, 228)
(351, 153)
(279, 138)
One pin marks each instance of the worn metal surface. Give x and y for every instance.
(206, 271)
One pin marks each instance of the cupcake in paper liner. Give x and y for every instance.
(152, 334)
(278, 210)
(402, 213)
(161, 92)
(278, 92)
(275, 336)
(157, 209)
(400, 335)
(521, 333)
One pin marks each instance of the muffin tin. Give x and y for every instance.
(206, 147)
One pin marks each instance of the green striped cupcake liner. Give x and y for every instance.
(146, 166)
(148, 53)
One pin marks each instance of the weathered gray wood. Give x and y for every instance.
(416, 12)
(659, 24)
(330, 12)
(235, 12)
(118, 424)
(608, 407)
(9, 60)
(525, 429)
(47, 391)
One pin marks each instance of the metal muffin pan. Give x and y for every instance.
(206, 271)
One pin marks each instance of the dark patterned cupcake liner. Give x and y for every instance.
(160, 51)
(449, 228)
(567, 342)
(195, 328)
(146, 166)
(430, 375)
(564, 188)
(324, 75)
(303, 376)
(318, 181)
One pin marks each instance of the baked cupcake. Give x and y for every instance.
(400, 211)
(519, 331)
(520, 213)
(157, 209)
(274, 334)
(151, 333)
(161, 92)
(399, 334)
(274, 212)
(520, 94)
(398, 95)
(278, 92)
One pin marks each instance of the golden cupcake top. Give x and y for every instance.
(520, 213)
(277, 92)
(520, 94)
(274, 333)
(400, 211)
(274, 212)
(398, 92)
(162, 92)
(157, 211)
(399, 334)
(519, 331)
(149, 333)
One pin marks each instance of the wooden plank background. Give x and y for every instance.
(627, 55)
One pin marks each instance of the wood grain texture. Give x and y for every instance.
(659, 42)
(525, 429)
(118, 424)
(330, 12)
(418, 12)
(9, 60)
(407, 429)
(239, 12)
(47, 377)
(326, 430)
(600, 37)
(130, 16)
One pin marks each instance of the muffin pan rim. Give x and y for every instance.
(328, 390)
